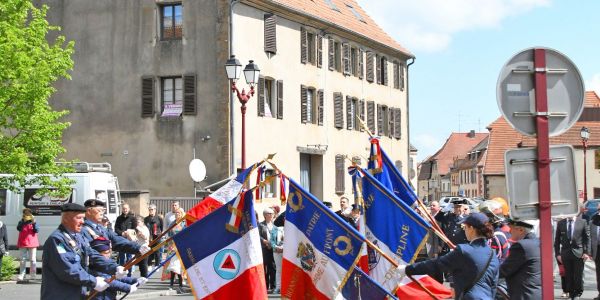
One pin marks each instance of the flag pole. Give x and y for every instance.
(420, 206)
(396, 264)
(162, 263)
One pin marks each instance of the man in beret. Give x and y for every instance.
(522, 268)
(67, 257)
(94, 212)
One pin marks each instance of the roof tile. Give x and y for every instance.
(456, 146)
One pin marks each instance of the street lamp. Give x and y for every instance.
(585, 135)
(251, 73)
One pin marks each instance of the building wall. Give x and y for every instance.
(423, 190)
(118, 42)
(496, 186)
(286, 136)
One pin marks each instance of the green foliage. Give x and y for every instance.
(30, 130)
(9, 267)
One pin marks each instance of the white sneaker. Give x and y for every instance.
(21, 277)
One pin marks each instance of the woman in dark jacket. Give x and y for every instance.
(3, 243)
(474, 265)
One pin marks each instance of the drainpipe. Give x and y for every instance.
(232, 157)
(408, 113)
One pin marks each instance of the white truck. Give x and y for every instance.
(91, 181)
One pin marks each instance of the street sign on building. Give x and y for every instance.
(522, 182)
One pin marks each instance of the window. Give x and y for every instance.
(270, 33)
(311, 48)
(171, 25)
(396, 75)
(350, 113)
(305, 171)
(267, 102)
(337, 56)
(596, 159)
(332, 5)
(382, 76)
(354, 62)
(355, 13)
(270, 188)
(382, 120)
(172, 96)
(338, 110)
(3, 194)
(311, 105)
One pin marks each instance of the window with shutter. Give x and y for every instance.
(384, 71)
(337, 47)
(380, 120)
(349, 113)
(361, 72)
(189, 94)
(338, 110)
(303, 105)
(369, 66)
(390, 127)
(398, 123)
(279, 99)
(339, 175)
(171, 96)
(371, 116)
(147, 96)
(396, 75)
(378, 68)
(270, 24)
(303, 45)
(310, 43)
(321, 98)
(260, 99)
(401, 76)
(310, 106)
(331, 56)
(346, 58)
(361, 112)
(319, 51)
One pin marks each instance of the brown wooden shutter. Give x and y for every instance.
(189, 94)
(369, 66)
(270, 33)
(402, 76)
(339, 174)
(260, 99)
(380, 119)
(321, 98)
(378, 68)
(279, 99)
(346, 58)
(398, 123)
(319, 51)
(371, 116)
(303, 107)
(361, 110)
(361, 72)
(396, 75)
(331, 60)
(390, 124)
(147, 96)
(349, 114)
(338, 110)
(303, 45)
(384, 71)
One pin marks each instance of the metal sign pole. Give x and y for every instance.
(543, 151)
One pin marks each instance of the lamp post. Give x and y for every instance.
(251, 73)
(585, 135)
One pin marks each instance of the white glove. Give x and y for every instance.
(401, 270)
(144, 249)
(120, 273)
(101, 285)
(132, 288)
(141, 281)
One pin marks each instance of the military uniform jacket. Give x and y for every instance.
(453, 230)
(92, 230)
(66, 258)
(465, 263)
(522, 269)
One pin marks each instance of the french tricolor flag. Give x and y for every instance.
(320, 249)
(222, 264)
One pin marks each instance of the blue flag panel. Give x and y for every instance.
(390, 177)
(361, 286)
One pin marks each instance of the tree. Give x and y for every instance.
(30, 130)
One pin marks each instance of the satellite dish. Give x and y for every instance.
(197, 170)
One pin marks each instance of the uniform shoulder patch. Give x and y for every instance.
(60, 249)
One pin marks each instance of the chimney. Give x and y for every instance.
(471, 134)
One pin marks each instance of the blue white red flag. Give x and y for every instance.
(221, 196)
(221, 264)
(384, 170)
(399, 232)
(320, 249)
(361, 286)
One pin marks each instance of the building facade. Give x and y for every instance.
(149, 91)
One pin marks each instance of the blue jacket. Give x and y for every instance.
(66, 259)
(465, 263)
(118, 242)
(117, 285)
